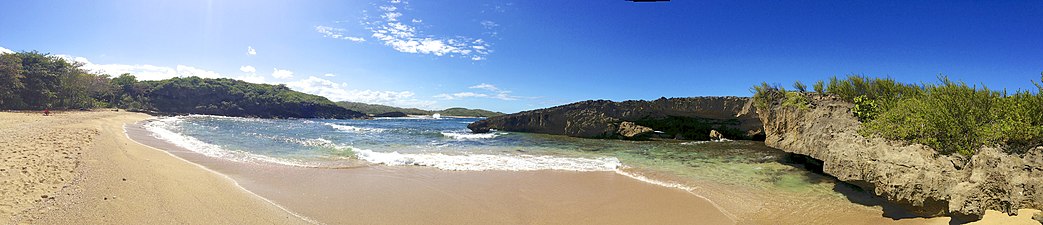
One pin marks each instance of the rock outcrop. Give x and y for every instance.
(691, 118)
(911, 175)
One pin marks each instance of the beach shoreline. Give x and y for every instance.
(124, 175)
(407, 194)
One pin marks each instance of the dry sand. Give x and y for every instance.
(80, 168)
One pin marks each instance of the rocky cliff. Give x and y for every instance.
(911, 175)
(681, 118)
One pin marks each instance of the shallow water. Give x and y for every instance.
(743, 177)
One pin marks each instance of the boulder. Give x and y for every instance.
(714, 135)
(631, 130)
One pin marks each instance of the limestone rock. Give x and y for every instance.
(714, 135)
(631, 130)
(602, 118)
(911, 175)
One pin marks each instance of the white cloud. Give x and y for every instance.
(329, 75)
(248, 69)
(4, 50)
(144, 71)
(336, 33)
(282, 74)
(339, 92)
(494, 92)
(250, 50)
(391, 29)
(188, 71)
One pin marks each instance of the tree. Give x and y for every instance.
(11, 74)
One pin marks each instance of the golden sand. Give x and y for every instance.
(80, 168)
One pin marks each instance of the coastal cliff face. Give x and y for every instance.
(911, 175)
(680, 118)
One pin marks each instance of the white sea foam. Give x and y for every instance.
(162, 129)
(470, 136)
(704, 142)
(354, 129)
(482, 162)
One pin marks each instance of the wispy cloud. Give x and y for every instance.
(491, 92)
(329, 75)
(338, 92)
(336, 33)
(393, 28)
(282, 74)
(250, 50)
(4, 50)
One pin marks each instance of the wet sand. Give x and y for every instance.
(421, 195)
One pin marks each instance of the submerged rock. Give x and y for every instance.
(674, 117)
(911, 175)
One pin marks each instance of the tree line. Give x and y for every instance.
(36, 81)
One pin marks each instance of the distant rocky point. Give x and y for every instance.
(674, 118)
(376, 110)
(391, 114)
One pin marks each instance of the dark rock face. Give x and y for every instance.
(689, 117)
(911, 175)
(391, 114)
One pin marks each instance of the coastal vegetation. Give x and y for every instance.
(375, 109)
(35, 81)
(949, 116)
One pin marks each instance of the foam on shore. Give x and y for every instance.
(483, 162)
(161, 129)
(470, 136)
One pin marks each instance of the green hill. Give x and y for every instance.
(31, 80)
(373, 109)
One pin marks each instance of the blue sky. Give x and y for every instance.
(519, 55)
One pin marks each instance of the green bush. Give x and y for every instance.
(865, 109)
(951, 117)
(819, 87)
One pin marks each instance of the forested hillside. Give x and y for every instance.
(374, 109)
(31, 80)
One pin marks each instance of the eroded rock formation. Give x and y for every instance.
(683, 118)
(912, 175)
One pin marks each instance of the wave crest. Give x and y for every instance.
(483, 162)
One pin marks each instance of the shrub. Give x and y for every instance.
(865, 109)
(819, 87)
(951, 117)
(800, 86)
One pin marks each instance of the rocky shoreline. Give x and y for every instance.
(674, 118)
(910, 175)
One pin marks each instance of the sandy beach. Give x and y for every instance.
(80, 168)
(83, 168)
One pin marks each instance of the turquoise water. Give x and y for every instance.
(446, 143)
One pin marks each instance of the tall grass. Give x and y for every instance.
(949, 116)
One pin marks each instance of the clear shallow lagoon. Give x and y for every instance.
(447, 144)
